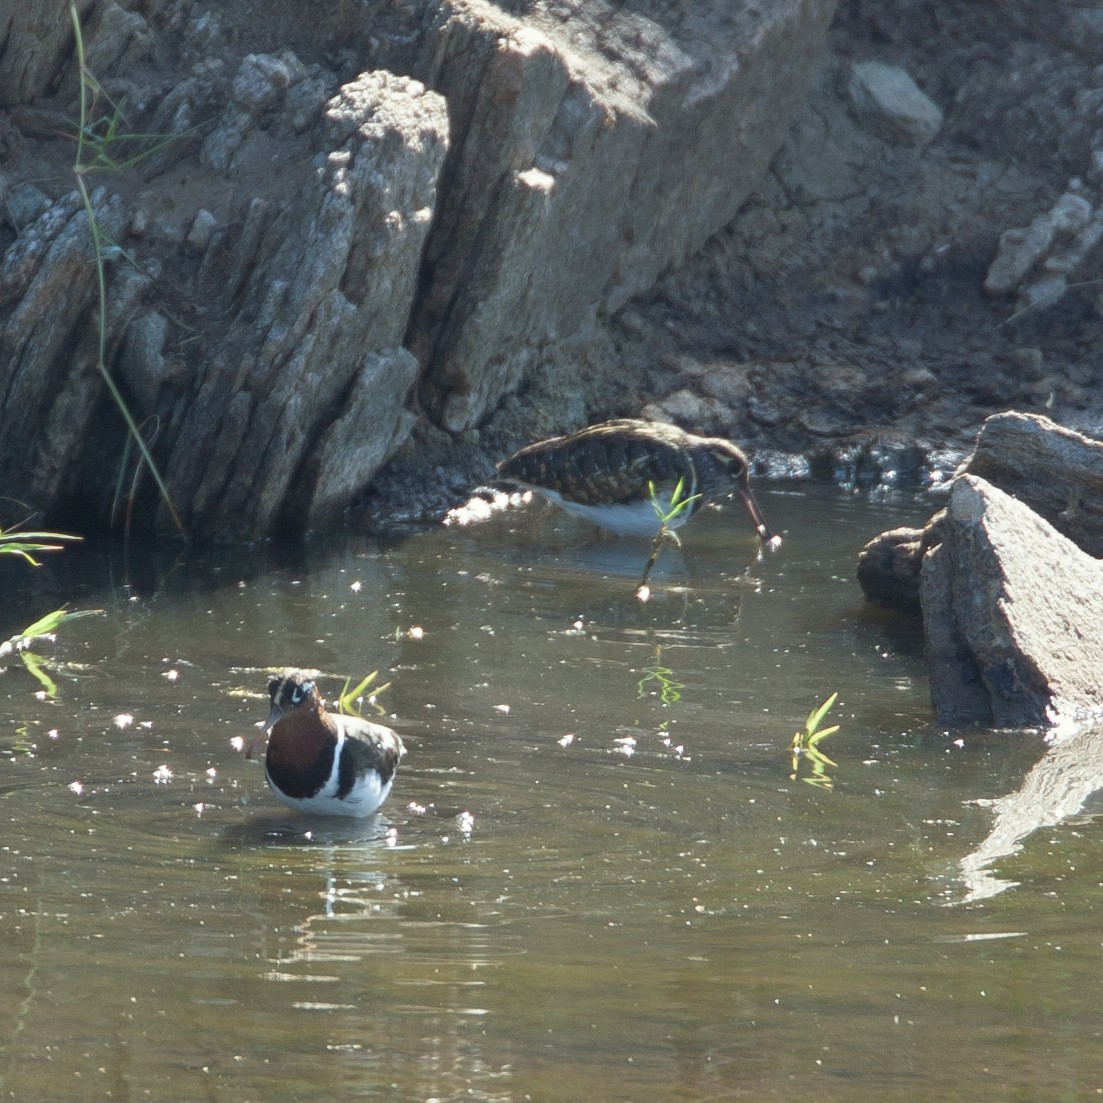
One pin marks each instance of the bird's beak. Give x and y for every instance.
(269, 724)
(755, 513)
(255, 742)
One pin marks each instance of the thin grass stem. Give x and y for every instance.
(79, 168)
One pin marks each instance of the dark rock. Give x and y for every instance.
(142, 361)
(764, 412)
(372, 425)
(114, 36)
(35, 40)
(888, 566)
(48, 342)
(823, 421)
(305, 101)
(23, 204)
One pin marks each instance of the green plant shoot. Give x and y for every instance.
(805, 745)
(678, 505)
(43, 628)
(30, 544)
(350, 701)
(666, 514)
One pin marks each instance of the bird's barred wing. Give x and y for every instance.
(601, 468)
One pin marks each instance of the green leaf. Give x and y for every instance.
(804, 746)
(20, 534)
(346, 701)
(51, 622)
(678, 504)
(815, 717)
(26, 544)
(34, 664)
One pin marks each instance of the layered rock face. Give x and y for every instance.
(594, 156)
(319, 260)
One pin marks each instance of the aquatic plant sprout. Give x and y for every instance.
(350, 701)
(805, 746)
(29, 544)
(42, 629)
(666, 514)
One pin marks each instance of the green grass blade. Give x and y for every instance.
(51, 622)
(23, 534)
(26, 544)
(34, 664)
(346, 701)
(44, 626)
(25, 550)
(88, 82)
(822, 734)
(815, 717)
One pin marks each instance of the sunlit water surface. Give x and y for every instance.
(598, 876)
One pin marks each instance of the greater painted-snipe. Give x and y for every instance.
(605, 473)
(320, 762)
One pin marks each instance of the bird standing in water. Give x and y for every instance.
(606, 473)
(322, 763)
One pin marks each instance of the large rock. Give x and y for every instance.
(36, 42)
(304, 394)
(592, 152)
(1013, 615)
(310, 368)
(49, 382)
(1055, 471)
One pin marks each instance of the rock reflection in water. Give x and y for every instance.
(1055, 789)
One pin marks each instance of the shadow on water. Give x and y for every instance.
(599, 875)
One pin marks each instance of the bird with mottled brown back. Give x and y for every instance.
(615, 473)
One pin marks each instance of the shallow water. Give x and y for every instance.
(597, 877)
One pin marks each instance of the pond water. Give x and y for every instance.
(598, 876)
